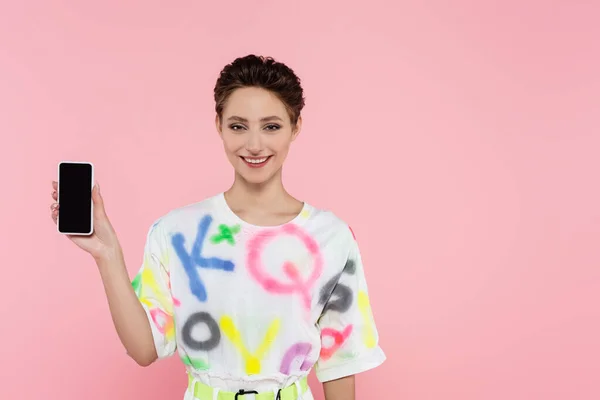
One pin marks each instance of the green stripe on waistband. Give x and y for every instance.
(205, 392)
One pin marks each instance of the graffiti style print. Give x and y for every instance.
(214, 337)
(149, 293)
(251, 324)
(339, 337)
(299, 351)
(295, 284)
(336, 296)
(253, 360)
(365, 310)
(191, 261)
(226, 233)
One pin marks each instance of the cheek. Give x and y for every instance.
(280, 144)
(232, 143)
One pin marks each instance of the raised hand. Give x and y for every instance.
(103, 242)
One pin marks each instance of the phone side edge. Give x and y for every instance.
(58, 195)
(92, 199)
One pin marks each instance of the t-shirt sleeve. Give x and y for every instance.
(349, 337)
(152, 287)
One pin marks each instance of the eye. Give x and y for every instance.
(272, 127)
(236, 127)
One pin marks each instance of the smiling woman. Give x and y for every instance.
(255, 144)
(301, 295)
(258, 103)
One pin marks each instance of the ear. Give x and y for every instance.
(218, 125)
(297, 129)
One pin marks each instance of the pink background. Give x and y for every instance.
(459, 139)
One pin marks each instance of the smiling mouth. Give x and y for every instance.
(256, 162)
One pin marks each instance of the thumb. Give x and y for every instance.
(97, 199)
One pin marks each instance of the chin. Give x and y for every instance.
(256, 179)
(256, 176)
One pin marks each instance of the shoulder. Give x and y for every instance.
(185, 215)
(326, 222)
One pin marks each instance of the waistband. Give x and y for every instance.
(202, 391)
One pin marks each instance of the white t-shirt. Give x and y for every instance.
(256, 308)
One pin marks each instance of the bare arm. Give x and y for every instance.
(340, 389)
(128, 315)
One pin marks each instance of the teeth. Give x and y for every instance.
(255, 160)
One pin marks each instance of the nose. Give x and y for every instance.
(254, 143)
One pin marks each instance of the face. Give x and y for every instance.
(257, 133)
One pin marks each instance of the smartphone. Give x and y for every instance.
(76, 210)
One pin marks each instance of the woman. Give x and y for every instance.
(252, 288)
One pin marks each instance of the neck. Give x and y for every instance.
(257, 196)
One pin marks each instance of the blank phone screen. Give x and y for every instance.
(75, 198)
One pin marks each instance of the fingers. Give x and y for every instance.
(54, 206)
(54, 212)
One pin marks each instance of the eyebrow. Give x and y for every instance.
(265, 119)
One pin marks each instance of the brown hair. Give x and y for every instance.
(265, 73)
